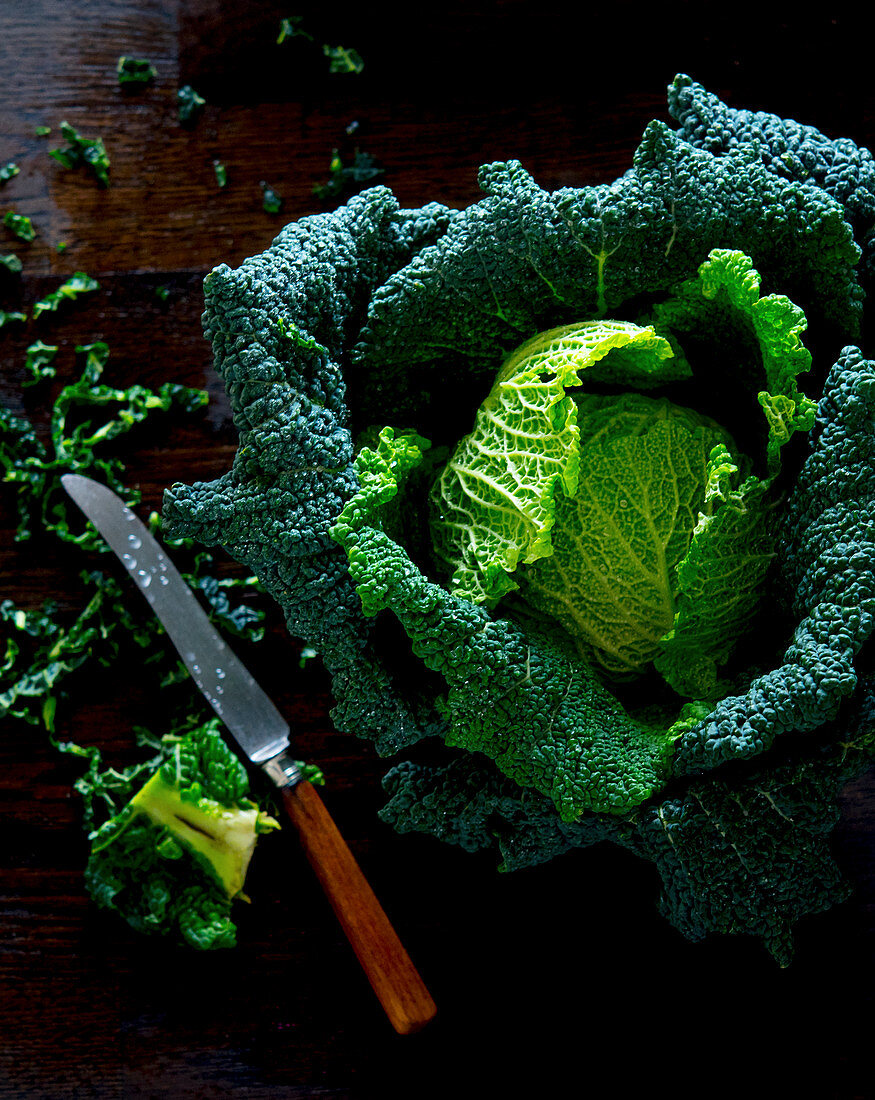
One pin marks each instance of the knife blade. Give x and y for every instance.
(258, 727)
(262, 734)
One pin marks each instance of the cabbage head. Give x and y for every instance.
(572, 492)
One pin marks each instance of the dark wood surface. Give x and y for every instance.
(559, 974)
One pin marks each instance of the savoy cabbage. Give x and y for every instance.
(554, 484)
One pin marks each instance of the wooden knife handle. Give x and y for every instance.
(395, 980)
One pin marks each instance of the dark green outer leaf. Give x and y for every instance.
(787, 148)
(523, 260)
(743, 853)
(827, 554)
(278, 326)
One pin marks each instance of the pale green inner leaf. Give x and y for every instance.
(493, 506)
(611, 580)
(718, 583)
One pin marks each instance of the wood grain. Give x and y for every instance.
(562, 973)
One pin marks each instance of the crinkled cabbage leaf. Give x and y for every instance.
(374, 316)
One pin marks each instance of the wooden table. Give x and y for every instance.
(560, 973)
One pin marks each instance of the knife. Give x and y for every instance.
(263, 736)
